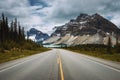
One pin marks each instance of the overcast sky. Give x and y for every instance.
(45, 14)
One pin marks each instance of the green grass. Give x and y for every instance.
(15, 54)
(107, 56)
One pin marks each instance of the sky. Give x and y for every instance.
(44, 15)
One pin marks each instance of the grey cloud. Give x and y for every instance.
(63, 10)
(113, 6)
(67, 9)
(22, 10)
(58, 11)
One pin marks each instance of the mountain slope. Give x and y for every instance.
(87, 24)
(37, 35)
(86, 29)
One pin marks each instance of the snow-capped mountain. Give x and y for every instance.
(85, 29)
(87, 24)
(37, 35)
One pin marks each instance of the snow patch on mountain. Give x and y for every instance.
(85, 29)
(36, 35)
(32, 37)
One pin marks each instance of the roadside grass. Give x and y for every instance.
(100, 54)
(15, 54)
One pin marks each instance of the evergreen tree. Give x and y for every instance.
(109, 45)
(11, 31)
(14, 34)
(23, 35)
(19, 32)
(3, 28)
(6, 29)
(117, 40)
(0, 32)
(117, 45)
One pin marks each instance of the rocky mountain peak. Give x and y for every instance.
(37, 35)
(96, 14)
(82, 16)
(86, 24)
(34, 31)
(85, 29)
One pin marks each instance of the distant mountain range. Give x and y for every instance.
(37, 35)
(85, 29)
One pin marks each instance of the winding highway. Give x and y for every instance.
(58, 64)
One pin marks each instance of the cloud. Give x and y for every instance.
(63, 10)
(67, 9)
(116, 20)
(21, 9)
(45, 14)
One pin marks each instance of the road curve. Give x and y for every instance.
(57, 64)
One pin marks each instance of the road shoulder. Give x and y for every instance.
(112, 64)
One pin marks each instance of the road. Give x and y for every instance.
(57, 64)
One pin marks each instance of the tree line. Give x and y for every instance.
(12, 36)
(13, 32)
(98, 48)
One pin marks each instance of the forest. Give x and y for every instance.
(13, 43)
(13, 36)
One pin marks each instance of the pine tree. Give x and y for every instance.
(117, 45)
(23, 35)
(109, 45)
(6, 29)
(117, 40)
(0, 32)
(19, 32)
(3, 28)
(11, 31)
(15, 31)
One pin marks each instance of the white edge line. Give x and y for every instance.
(17, 64)
(97, 62)
(105, 65)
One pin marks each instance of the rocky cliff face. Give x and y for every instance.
(86, 29)
(87, 24)
(37, 35)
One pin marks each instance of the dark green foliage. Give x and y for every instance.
(13, 36)
(117, 40)
(12, 32)
(96, 48)
(117, 48)
(109, 45)
(98, 51)
(90, 47)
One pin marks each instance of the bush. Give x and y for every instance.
(28, 45)
(1, 50)
(117, 48)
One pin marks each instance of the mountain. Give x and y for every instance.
(37, 35)
(85, 29)
(87, 24)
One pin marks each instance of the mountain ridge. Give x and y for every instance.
(85, 29)
(37, 35)
(92, 23)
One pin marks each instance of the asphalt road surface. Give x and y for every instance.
(57, 64)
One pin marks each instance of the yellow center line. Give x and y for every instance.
(61, 70)
(60, 65)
